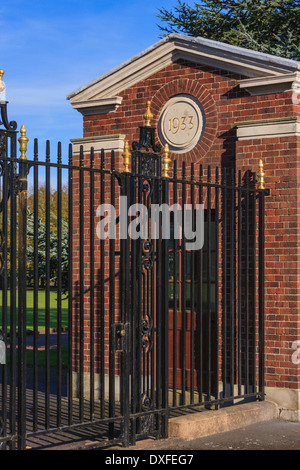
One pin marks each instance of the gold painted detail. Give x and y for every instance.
(148, 115)
(23, 141)
(261, 175)
(2, 86)
(166, 160)
(126, 158)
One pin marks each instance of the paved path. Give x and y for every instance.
(269, 435)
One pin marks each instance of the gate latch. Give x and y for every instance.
(2, 349)
(120, 336)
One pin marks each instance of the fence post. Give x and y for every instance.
(165, 300)
(22, 187)
(263, 191)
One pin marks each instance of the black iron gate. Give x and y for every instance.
(109, 327)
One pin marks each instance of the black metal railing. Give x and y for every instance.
(108, 337)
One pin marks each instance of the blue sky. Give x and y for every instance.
(49, 49)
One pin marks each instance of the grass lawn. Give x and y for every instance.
(52, 356)
(41, 360)
(41, 310)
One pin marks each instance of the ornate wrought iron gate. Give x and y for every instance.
(144, 325)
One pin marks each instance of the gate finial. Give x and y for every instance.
(261, 175)
(166, 160)
(126, 157)
(2, 85)
(23, 140)
(148, 115)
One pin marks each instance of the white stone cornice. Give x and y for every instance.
(271, 84)
(107, 143)
(101, 106)
(284, 127)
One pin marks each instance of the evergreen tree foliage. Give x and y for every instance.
(41, 252)
(270, 26)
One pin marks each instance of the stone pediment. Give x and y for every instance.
(264, 73)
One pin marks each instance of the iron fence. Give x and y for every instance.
(107, 337)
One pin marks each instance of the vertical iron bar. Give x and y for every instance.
(247, 283)
(175, 275)
(125, 286)
(192, 295)
(158, 320)
(59, 283)
(13, 291)
(261, 294)
(122, 289)
(102, 294)
(22, 278)
(253, 287)
(165, 319)
(183, 294)
(133, 343)
(70, 287)
(200, 300)
(224, 280)
(133, 268)
(152, 308)
(217, 319)
(4, 280)
(239, 281)
(92, 285)
(36, 284)
(139, 271)
(112, 345)
(208, 313)
(81, 286)
(47, 291)
(232, 279)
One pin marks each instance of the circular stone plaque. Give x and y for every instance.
(181, 123)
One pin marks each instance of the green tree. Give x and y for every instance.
(41, 252)
(270, 26)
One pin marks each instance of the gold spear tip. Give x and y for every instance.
(148, 115)
(126, 157)
(23, 141)
(165, 162)
(2, 85)
(126, 146)
(261, 175)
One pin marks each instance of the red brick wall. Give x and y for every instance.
(225, 104)
(281, 163)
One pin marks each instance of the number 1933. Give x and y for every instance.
(176, 124)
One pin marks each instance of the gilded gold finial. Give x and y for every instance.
(261, 175)
(148, 115)
(2, 85)
(23, 141)
(126, 157)
(166, 160)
